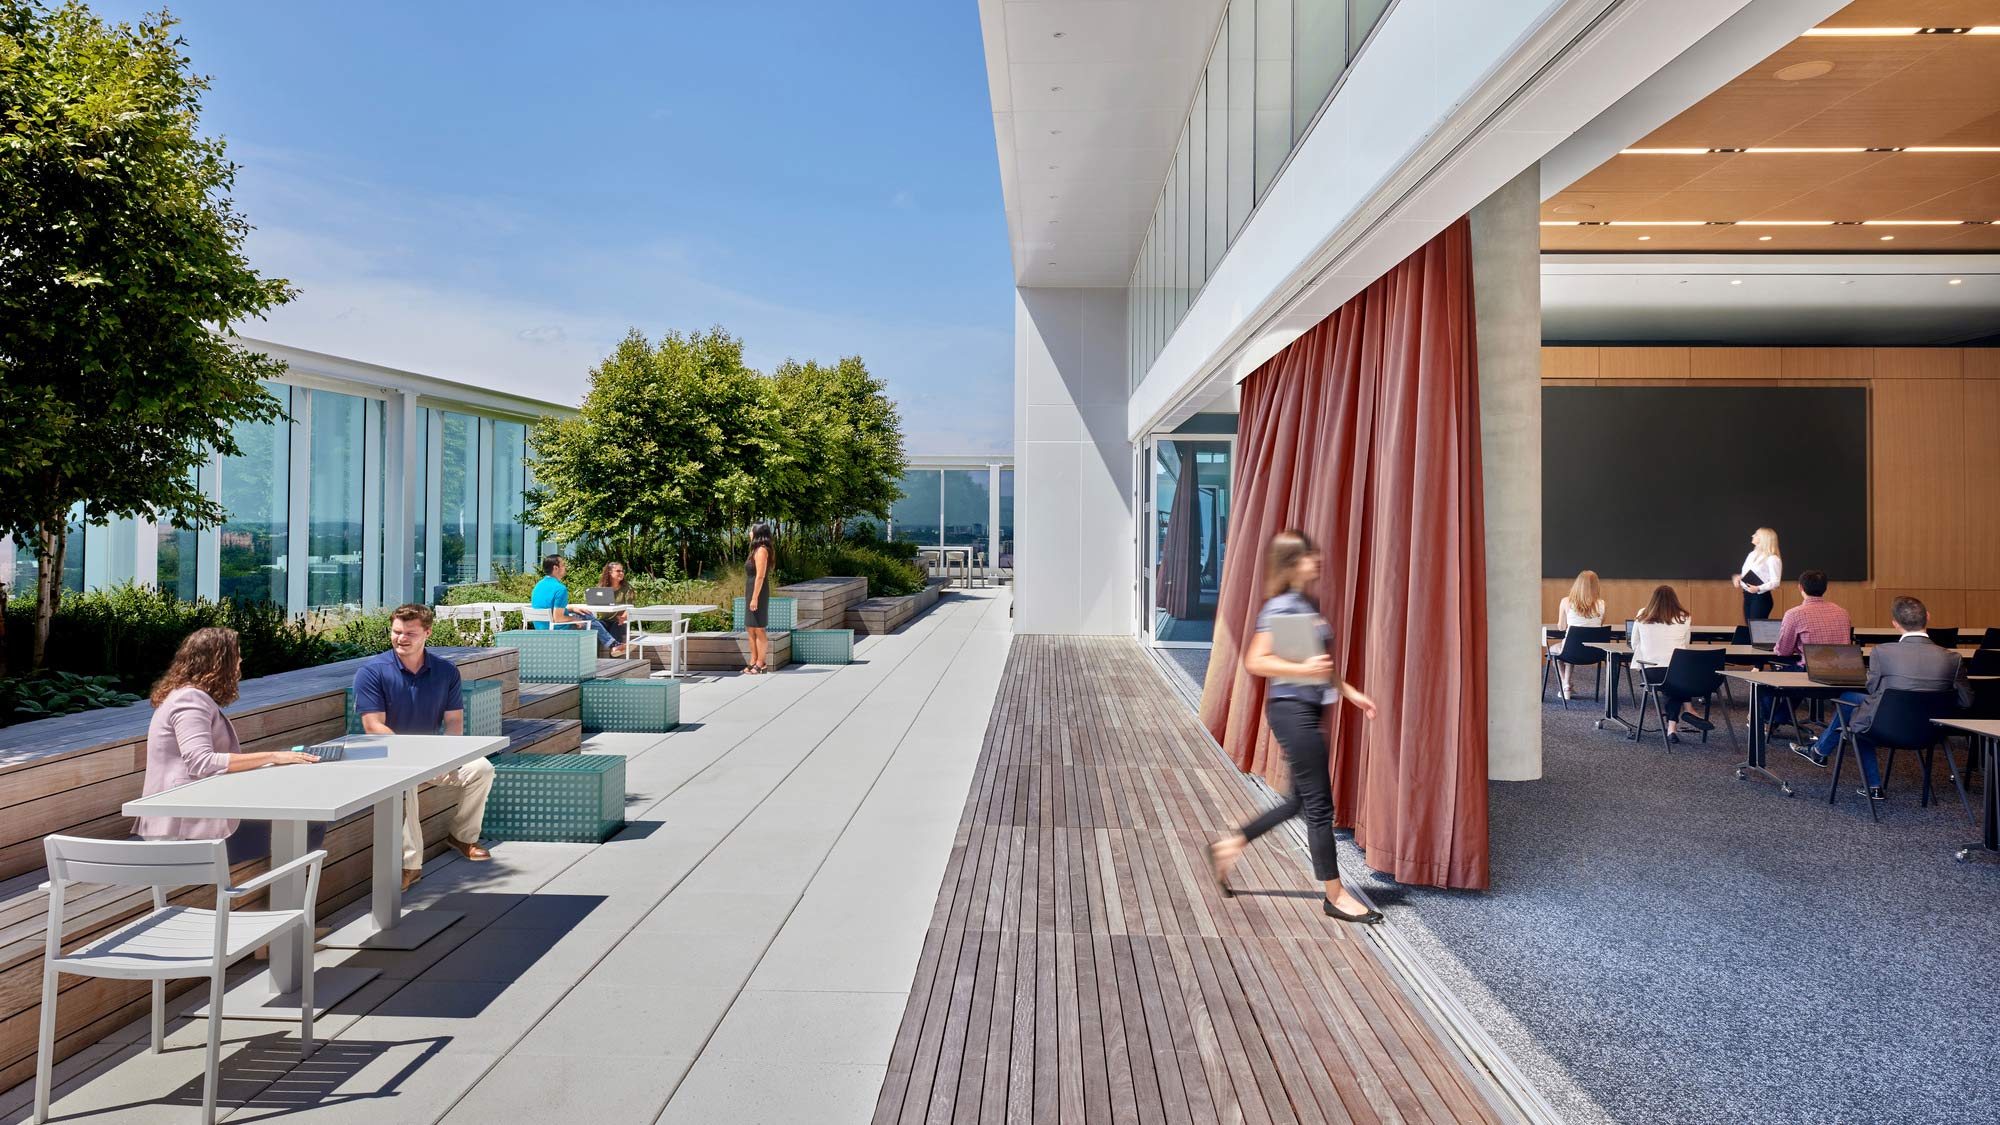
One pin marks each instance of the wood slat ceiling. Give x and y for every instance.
(1883, 92)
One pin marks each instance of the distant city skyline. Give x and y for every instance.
(484, 194)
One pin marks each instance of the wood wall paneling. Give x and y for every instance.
(1935, 528)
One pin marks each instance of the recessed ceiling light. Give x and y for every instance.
(1645, 238)
(1956, 281)
(1888, 238)
(1735, 281)
(1847, 281)
(1800, 71)
(1059, 35)
(1053, 167)
(1055, 89)
(1763, 238)
(1053, 222)
(1055, 132)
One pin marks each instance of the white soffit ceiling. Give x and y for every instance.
(1767, 299)
(1089, 97)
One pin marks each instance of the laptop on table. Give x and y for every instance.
(1835, 666)
(1764, 634)
(600, 595)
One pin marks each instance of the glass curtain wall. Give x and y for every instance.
(458, 499)
(1191, 524)
(334, 527)
(1006, 558)
(176, 562)
(916, 518)
(256, 492)
(510, 480)
(968, 507)
(1273, 65)
(420, 505)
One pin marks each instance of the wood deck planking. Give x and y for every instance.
(1082, 967)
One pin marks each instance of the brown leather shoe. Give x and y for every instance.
(471, 851)
(411, 875)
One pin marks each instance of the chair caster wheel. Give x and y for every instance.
(1740, 775)
(1962, 855)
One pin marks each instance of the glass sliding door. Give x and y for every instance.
(458, 501)
(256, 489)
(510, 481)
(334, 528)
(1189, 524)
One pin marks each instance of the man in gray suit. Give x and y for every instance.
(1913, 663)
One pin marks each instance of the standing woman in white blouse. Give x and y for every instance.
(1762, 570)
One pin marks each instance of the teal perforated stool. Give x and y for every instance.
(784, 614)
(557, 798)
(823, 646)
(631, 705)
(483, 702)
(553, 656)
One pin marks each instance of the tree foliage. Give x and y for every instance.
(680, 444)
(121, 268)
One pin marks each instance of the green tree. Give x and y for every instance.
(847, 436)
(674, 442)
(121, 269)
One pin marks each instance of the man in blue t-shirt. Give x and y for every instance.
(552, 594)
(404, 691)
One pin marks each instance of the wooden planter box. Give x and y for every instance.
(726, 652)
(823, 602)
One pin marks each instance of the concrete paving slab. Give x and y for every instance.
(527, 1087)
(752, 1090)
(628, 1017)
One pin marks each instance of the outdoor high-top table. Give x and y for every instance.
(1987, 731)
(376, 771)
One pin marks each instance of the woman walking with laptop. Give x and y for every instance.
(1294, 703)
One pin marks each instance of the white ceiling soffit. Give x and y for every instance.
(1907, 300)
(1089, 97)
(1739, 43)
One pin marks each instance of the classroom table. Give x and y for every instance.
(1865, 634)
(1987, 731)
(1617, 653)
(376, 771)
(1790, 684)
(677, 618)
(1698, 632)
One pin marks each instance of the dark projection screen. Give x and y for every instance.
(1669, 482)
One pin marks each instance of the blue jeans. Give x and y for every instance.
(1864, 746)
(604, 636)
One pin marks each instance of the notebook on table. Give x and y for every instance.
(1835, 666)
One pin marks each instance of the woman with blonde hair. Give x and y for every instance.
(1583, 605)
(1763, 568)
(190, 738)
(1294, 705)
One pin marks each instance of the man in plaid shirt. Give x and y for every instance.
(1814, 621)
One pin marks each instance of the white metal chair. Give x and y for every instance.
(171, 943)
(531, 615)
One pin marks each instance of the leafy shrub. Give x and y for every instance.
(26, 698)
(368, 633)
(888, 577)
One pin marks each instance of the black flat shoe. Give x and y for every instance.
(1367, 918)
(1221, 876)
(1810, 755)
(1690, 719)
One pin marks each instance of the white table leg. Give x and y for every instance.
(386, 926)
(274, 994)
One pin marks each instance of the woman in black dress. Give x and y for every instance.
(757, 597)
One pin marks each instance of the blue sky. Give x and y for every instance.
(495, 192)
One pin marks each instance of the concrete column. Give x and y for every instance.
(1507, 297)
(1072, 463)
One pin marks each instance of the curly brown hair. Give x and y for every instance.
(208, 659)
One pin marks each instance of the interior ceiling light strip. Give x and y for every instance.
(1769, 223)
(1801, 151)
(1882, 31)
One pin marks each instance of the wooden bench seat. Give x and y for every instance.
(823, 602)
(730, 652)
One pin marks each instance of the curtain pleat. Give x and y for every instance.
(1364, 433)
(1180, 555)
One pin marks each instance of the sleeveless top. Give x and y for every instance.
(750, 574)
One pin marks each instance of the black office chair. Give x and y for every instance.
(1903, 722)
(1577, 653)
(1985, 662)
(1944, 638)
(1692, 674)
(1991, 639)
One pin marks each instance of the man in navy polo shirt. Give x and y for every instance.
(403, 691)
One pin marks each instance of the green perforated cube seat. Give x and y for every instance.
(784, 615)
(553, 656)
(631, 705)
(484, 700)
(561, 798)
(823, 646)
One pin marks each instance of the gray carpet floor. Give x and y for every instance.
(1665, 943)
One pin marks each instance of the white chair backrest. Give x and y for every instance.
(531, 615)
(138, 863)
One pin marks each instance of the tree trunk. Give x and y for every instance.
(51, 549)
(3, 629)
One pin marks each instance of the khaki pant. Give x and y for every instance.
(475, 779)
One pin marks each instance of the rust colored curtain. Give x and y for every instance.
(1364, 433)
(1180, 556)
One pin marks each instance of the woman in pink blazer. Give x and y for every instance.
(190, 738)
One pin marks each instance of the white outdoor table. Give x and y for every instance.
(945, 554)
(676, 617)
(380, 769)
